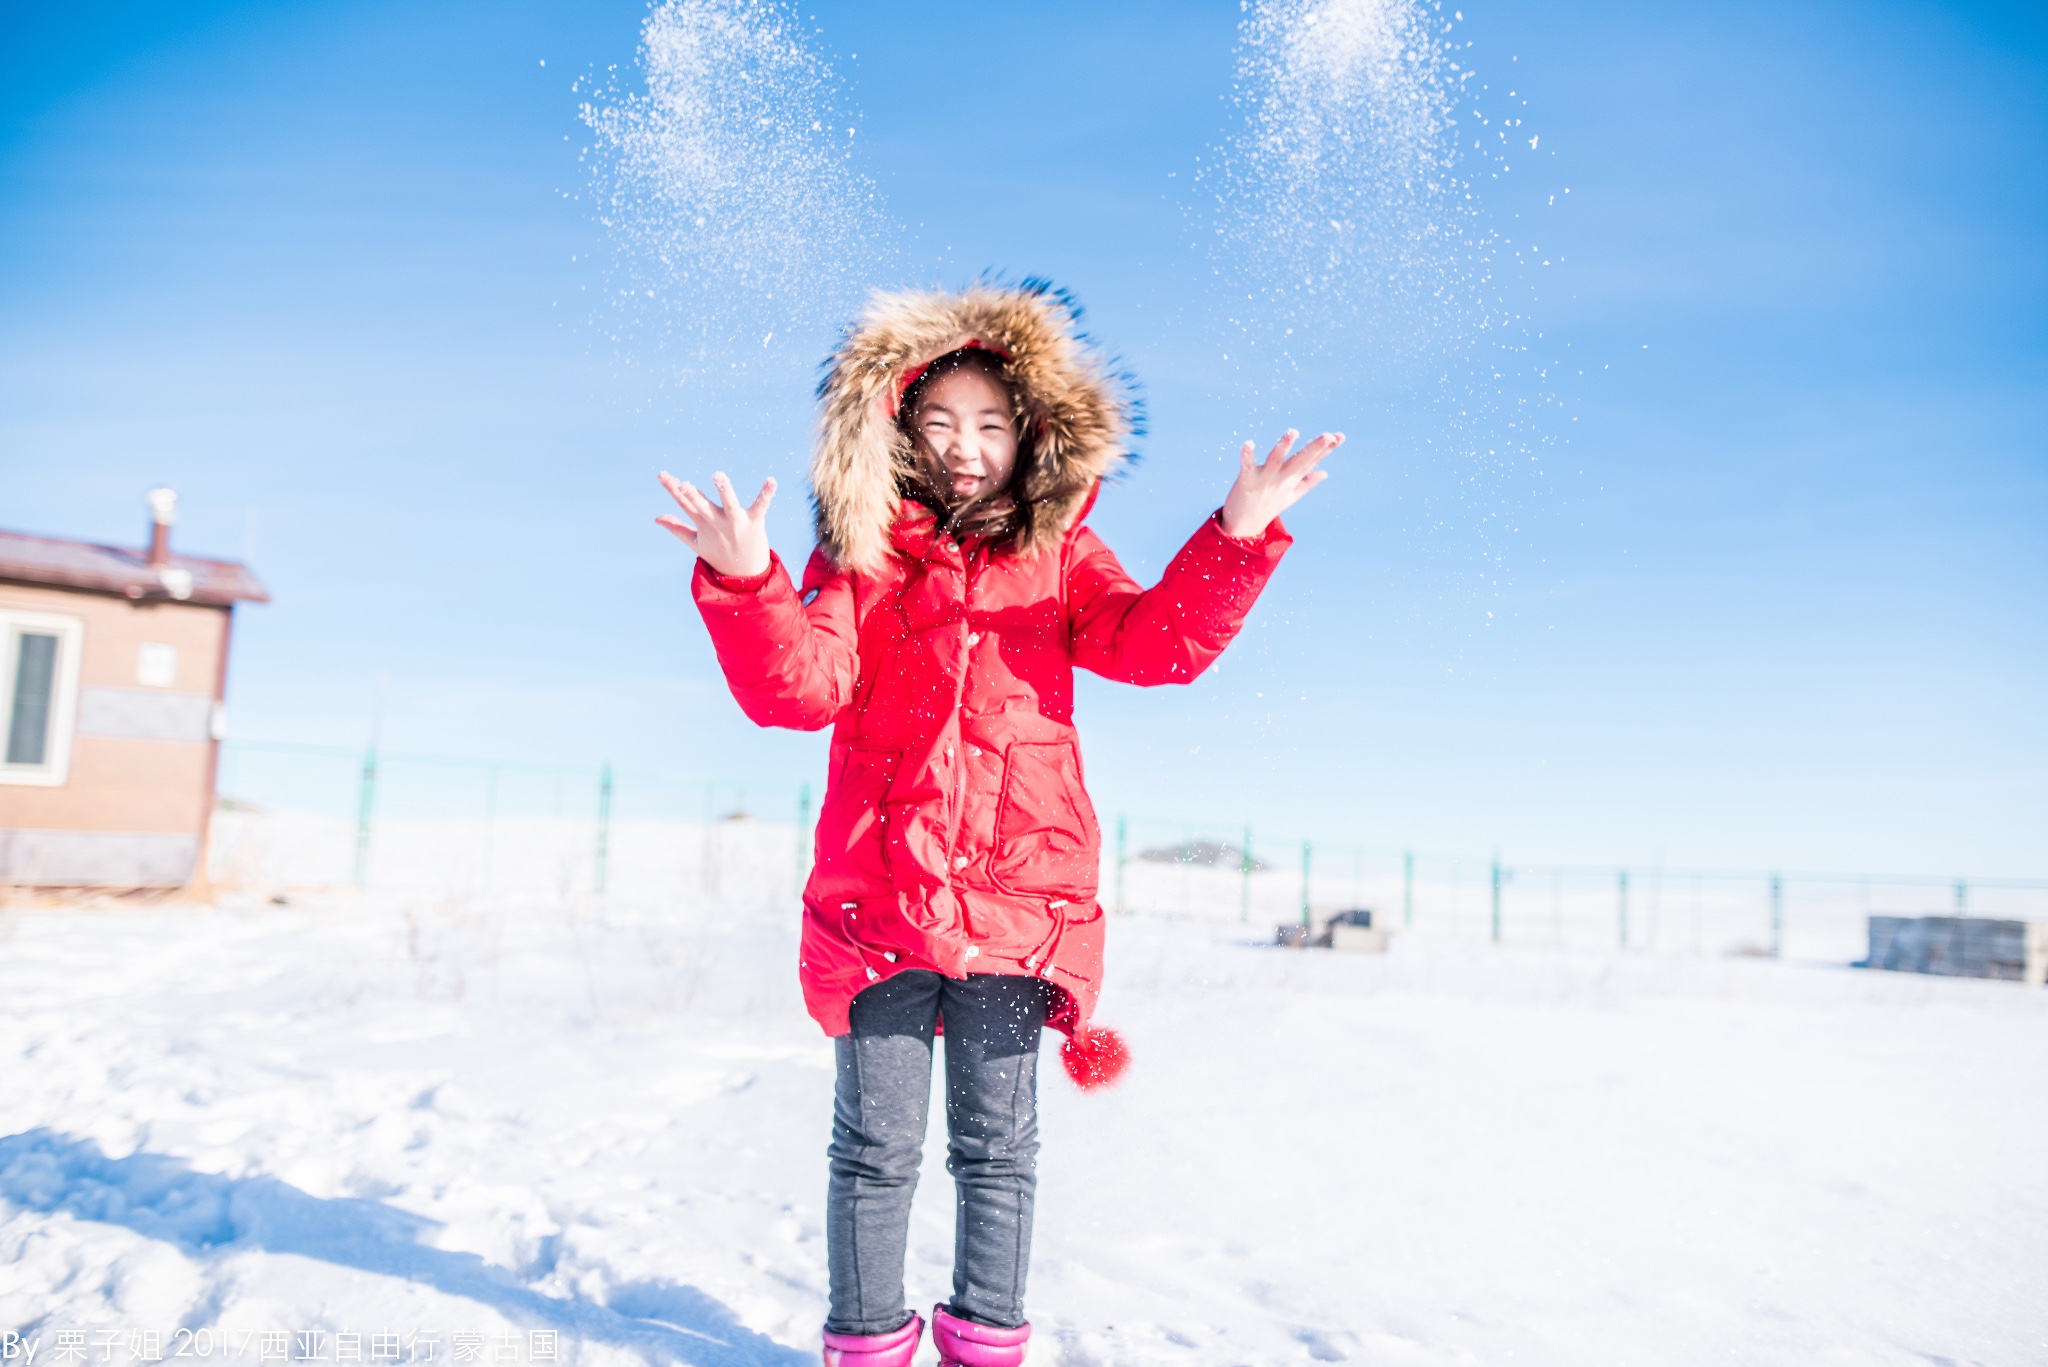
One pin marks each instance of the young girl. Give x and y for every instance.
(954, 590)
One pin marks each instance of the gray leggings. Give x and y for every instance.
(878, 1119)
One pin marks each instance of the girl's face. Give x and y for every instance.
(968, 434)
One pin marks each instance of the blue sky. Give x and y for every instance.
(325, 269)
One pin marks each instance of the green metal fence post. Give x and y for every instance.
(366, 801)
(604, 829)
(1307, 854)
(803, 833)
(1122, 846)
(1496, 896)
(1621, 902)
(1777, 916)
(1407, 888)
(1962, 895)
(1244, 868)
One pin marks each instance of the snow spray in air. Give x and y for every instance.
(1349, 220)
(730, 185)
(1339, 193)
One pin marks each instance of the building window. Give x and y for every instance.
(38, 694)
(35, 680)
(156, 665)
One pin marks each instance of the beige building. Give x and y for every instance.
(113, 672)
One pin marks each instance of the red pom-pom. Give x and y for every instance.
(1095, 1058)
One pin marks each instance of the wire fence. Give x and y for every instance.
(1224, 873)
(311, 816)
(315, 816)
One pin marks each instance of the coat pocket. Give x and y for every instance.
(852, 836)
(880, 925)
(1047, 843)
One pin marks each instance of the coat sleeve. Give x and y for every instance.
(1172, 631)
(789, 660)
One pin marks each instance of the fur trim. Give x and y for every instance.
(1079, 415)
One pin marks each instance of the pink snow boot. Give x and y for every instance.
(963, 1343)
(893, 1349)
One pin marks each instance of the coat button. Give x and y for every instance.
(974, 752)
(973, 950)
(974, 638)
(959, 861)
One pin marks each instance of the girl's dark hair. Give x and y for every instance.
(975, 358)
(1002, 517)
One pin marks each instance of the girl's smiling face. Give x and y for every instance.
(967, 433)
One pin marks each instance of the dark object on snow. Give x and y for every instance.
(1960, 946)
(1351, 928)
(1205, 854)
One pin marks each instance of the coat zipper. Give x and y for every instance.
(959, 760)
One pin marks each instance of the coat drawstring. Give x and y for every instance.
(1040, 959)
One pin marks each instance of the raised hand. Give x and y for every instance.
(731, 539)
(1264, 491)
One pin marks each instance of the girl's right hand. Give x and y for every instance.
(731, 539)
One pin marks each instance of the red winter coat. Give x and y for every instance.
(956, 833)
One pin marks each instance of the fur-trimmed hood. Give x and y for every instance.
(1077, 414)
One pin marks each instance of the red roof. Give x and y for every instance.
(117, 569)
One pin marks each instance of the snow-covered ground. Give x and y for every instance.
(456, 1124)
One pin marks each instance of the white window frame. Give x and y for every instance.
(70, 634)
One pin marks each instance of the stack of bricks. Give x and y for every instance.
(1961, 946)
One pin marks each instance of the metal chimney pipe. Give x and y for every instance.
(163, 510)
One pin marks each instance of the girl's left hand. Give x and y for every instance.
(731, 539)
(1264, 491)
